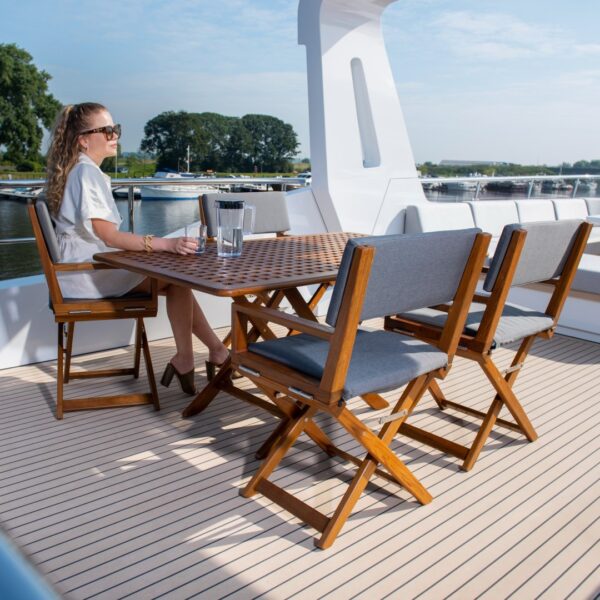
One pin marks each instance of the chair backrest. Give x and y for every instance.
(409, 271)
(271, 211)
(47, 246)
(47, 227)
(547, 248)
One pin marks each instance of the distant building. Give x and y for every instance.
(468, 163)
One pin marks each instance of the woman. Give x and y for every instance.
(87, 221)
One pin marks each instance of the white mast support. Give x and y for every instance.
(363, 170)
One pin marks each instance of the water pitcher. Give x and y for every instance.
(234, 219)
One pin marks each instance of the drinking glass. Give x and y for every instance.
(198, 232)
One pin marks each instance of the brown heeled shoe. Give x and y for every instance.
(186, 380)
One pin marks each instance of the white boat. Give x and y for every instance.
(176, 192)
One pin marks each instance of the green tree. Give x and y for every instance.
(25, 104)
(168, 135)
(274, 143)
(217, 130)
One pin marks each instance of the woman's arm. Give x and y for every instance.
(114, 238)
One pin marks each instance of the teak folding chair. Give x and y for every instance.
(271, 217)
(547, 252)
(324, 366)
(67, 312)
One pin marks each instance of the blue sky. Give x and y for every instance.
(480, 79)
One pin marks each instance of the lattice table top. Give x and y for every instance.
(265, 264)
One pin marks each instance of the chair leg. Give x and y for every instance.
(504, 390)
(437, 394)
(69, 351)
(59, 373)
(148, 360)
(293, 429)
(482, 434)
(383, 454)
(138, 348)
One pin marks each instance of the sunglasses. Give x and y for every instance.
(110, 131)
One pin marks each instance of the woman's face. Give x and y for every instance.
(95, 145)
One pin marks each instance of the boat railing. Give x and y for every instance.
(531, 180)
(26, 188)
(284, 182)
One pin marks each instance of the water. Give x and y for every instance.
(159, 218)
(21, 260)
(229, 241)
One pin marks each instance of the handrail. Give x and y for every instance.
(154, 181)
(160, 181)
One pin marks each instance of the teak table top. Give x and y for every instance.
(265, 264)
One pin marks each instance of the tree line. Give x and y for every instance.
(217, 142)
(220, 143)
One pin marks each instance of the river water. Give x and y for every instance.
(158, 217)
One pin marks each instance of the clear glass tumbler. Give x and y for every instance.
(197, 231)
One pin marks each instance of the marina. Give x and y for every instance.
(180, 497)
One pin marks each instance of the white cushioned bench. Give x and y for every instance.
(493, 215)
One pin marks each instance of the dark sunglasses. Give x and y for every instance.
(110, 131)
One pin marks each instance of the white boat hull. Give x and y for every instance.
(176, 192)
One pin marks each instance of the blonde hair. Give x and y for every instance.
(64, 148)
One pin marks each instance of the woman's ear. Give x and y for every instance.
(82, 143)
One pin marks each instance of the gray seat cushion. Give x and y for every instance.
(381, 360)
(516, 322)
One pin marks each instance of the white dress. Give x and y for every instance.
(88, 196)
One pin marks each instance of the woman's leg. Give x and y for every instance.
(217, 352)
(180, 311)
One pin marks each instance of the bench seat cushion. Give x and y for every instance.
(437, 216)
(570, 208)
(381, 360)
(587, 278)
(492, 215)
(516, 323)
(535, 210)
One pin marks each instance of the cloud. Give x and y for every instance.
(497, 36)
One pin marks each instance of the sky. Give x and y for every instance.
(507, 80)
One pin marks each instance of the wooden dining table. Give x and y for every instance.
(269, 271)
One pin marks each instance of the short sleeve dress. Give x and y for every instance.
(88, 196)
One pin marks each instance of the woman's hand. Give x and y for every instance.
(180, 245)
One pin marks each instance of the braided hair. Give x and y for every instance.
(64, 148)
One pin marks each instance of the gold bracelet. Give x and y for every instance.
(148, 242)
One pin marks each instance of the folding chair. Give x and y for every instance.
(324, 366)
(547, 252)
(271, 217)
(69, 311)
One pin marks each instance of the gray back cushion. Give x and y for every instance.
(544, 254)
(271, 211)
(409, 271)
(43, 215)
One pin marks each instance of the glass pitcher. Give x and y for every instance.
(234, 219)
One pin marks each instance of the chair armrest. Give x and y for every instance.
(84, 266)
(290, 321)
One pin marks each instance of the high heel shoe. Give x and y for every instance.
(186, 380)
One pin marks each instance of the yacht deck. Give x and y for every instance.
(142, 504)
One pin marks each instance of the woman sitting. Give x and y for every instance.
(87, 221)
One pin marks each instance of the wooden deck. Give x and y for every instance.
(134, 503)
